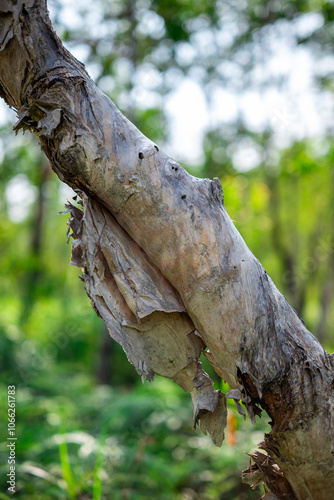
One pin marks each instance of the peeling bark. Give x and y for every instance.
(265, 470)
(142, 311)
(164, 265)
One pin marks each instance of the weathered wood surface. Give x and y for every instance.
(164, 265)
(142, 311)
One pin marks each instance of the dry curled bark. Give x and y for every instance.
(165, 267)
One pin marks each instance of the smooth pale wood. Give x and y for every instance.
(207, 283)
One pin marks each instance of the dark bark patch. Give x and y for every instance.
(217, 190)
(265, 470)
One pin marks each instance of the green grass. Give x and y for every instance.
(81, 441)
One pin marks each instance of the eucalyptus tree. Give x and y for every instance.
(165, 267)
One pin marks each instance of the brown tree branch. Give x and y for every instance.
(163, 263)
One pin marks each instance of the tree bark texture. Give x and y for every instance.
(165, 267)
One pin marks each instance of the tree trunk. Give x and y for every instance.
(33, 274)
(165, 267)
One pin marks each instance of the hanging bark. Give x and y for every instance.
(165, 267)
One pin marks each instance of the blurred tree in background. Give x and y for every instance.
(261, 76)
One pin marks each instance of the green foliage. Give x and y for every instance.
(66, 468)
(84, 441)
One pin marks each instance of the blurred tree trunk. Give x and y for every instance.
(33, 274)
(104, 365)
(286, 257)
(165, 267)
(328, 289)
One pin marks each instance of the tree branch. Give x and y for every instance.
(163, 263)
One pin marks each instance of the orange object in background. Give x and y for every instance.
(230, 430)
